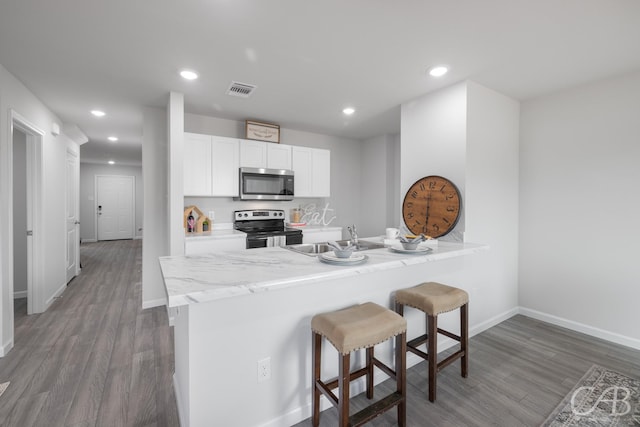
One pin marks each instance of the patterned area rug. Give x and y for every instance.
(3, 387)
(601, 398)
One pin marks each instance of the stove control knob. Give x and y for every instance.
(279, 213)
(246, 215)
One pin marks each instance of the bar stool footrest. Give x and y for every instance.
(418, 341)
(371, 412)
(455, 356)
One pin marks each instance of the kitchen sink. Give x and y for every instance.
(313, 249)
(363, 245)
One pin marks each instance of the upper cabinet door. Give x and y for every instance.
(225, 166)
(321, 167)
(301, 165)
(278, 156)
(253, 154)
(312, 167)
(197, 165)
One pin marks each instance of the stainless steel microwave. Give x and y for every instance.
(266, 184)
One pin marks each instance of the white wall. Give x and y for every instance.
(156, 200)
(19, 214)
(469, 134)
(88, 173)
(580, 205)
(491, 196)
(433, 142)
(15, 96)
(379, 185)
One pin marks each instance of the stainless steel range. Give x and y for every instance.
(266, 228)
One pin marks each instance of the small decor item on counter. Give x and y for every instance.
(342, 252)
(194, 220)
(316, 216)
(411, 244)
(392, 233)
(295, 215)
(191, 224)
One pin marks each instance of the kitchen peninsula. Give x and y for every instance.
(240, 309)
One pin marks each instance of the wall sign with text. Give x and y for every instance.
(262, 131)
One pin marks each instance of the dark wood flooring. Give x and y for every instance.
(95, 358)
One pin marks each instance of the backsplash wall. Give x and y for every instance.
(225, 206)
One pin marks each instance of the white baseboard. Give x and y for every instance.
(89, 240)
(4, 349)
(20, 294)
(137, 238)
(581, 327)
(56, 294)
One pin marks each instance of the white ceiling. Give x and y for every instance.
(308, 59)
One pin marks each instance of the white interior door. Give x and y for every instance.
(72, 215)
(115, 207)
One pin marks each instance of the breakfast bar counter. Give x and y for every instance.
(236, 310)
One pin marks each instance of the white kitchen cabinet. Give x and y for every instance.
(197, 165)
(253, 154)
(278, 156)
(320, 173)
(312, 167)
(210, 166)
(225, 163)
(259, 154)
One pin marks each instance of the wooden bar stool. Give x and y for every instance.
(360, 326)
(435, 298)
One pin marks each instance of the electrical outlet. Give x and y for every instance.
(264, 369)
(212, 215)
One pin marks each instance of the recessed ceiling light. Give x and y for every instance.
(348, 111)
(111, 162)
(98, 113)
(438, 71)
(113, 138)
(188, 74)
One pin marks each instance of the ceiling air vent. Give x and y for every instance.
(243, 90)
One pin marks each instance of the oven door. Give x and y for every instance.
(264, 240)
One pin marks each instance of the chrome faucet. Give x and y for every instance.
(353, 233)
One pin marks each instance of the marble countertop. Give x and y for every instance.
(216, 234)
(315, 228)
(201, 278)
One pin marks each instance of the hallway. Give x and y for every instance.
(95, 358)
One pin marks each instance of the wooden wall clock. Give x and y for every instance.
(431, 206)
